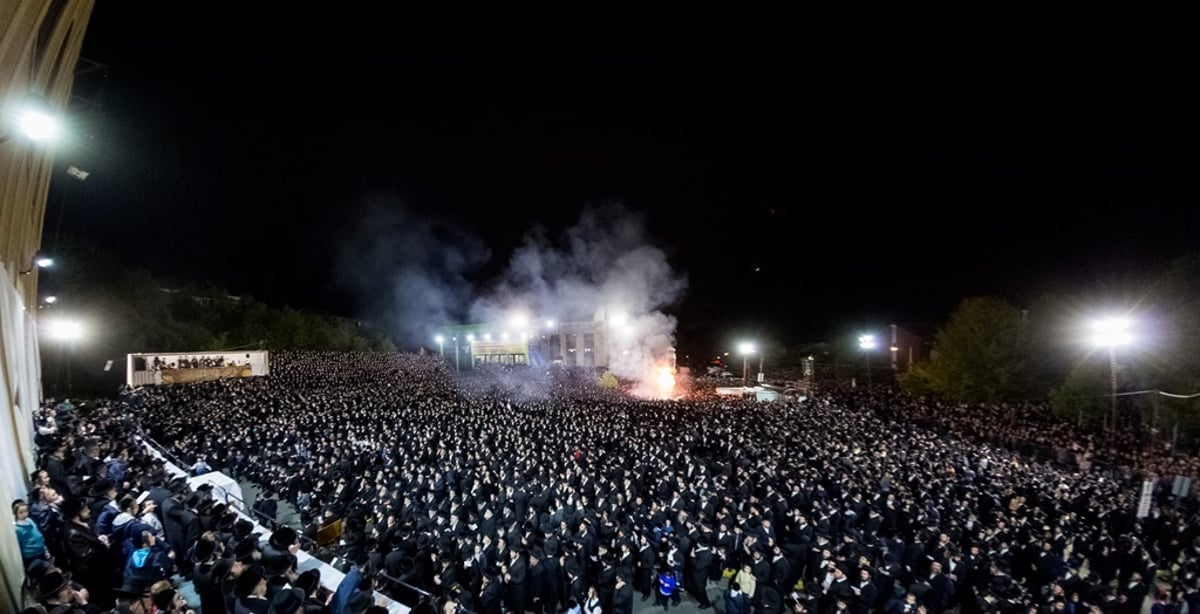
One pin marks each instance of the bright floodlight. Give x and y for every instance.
(617, 319)
(51, 299)
(44, 262)
(440, 339)
(549, 323)
(746, 348)
(471, 338)
(866, 342)
(487, 336)
(504, 336)
(39, 125)
(64, 330)
(1111, 332)
(519, 320)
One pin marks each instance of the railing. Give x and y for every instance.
(162, 450)
(262, 518)
(422, 596)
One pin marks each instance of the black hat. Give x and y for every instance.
(221, 569)
(37, 569)
(308, 581)
(247, 581)
(245, 549)
(164, 599)
(51, 584)
(177, 485)
(283, 537)
(193, 500)
(205, 549)
(279, 565)
(100, 488)
(242, 529)
(132, 591)
(287, 601)
(225, 522)
(71, 508)
(205, 487)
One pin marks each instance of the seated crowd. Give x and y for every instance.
(526, 490)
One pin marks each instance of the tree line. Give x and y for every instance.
(123, 310)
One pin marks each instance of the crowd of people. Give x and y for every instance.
(191, 362)
(512, 490)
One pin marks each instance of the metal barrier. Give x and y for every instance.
(423, 596)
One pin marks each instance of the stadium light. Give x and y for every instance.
(487, 336)
(470, 338)
(1109, 333)
(50, 300)
(37, 119)
(746, 349)
(64, 330)
(867, 343)
(519, 321)
(441, 348)
(550, 324)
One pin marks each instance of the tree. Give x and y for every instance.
(1081, 398)
(980, 355)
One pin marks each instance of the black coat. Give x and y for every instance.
(491, 598)
(623, 600)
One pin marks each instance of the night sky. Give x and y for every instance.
(803, 187)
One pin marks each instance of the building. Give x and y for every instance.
(568, 344)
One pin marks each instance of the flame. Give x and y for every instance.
(666, 382)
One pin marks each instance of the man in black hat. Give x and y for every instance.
(135, 599)
(309, 582)
(492, 596)
(104, 505)
(698, 574)
(266, 508)
(283, 544)
(623, 595)
(188, 523)
(279, 574)
(287, 601)
(514, 582)
(89, 555)
(54, 590)
(540, 589)
(250, 589)
(209, 574)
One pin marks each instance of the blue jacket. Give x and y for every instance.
(30, 538)
(666, 583)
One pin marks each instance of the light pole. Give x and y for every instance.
(441, 349)
(1111, 332)
(746, 348)
(867, 343)
(455, 340)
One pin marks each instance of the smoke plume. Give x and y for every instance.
(602, 268)
(415, 274)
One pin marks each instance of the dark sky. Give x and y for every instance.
(803, 186)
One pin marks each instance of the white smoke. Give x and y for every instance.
(602, 268)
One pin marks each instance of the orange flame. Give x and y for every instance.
(666, 382)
